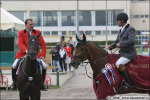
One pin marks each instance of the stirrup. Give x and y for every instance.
(126, 85)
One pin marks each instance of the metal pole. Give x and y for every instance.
(0, 66)
(77, 18)
(141, 45)
(57, 78)
(126, 6)
(106, 27)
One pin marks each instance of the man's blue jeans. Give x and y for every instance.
(56, 63)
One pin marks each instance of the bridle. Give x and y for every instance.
(84, 58)
(32, 47)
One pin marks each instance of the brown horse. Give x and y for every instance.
(97, 57)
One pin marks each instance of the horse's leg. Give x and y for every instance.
(36, 95)
(23, 96)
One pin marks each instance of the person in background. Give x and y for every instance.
(58, 46)
(62, 41)
(72, 48)
(69, 55)
(62, 58)
(55, 59)
(71, 41)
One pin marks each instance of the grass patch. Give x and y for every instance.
(54, 87)
(139, 50)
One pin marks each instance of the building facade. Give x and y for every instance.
(53, 18)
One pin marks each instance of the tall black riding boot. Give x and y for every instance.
(43, 76)
(14, 79)
(124, 73)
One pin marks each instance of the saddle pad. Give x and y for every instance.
(138, 70)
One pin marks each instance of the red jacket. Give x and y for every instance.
(22, 42)
(68, 51)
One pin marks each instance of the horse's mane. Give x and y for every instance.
(100, 48)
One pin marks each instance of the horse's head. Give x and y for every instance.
(33, 46)
(80, 52)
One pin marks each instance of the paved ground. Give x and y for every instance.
(78, 87)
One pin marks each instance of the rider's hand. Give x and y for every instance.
(26, 51)
(118, 45)
(42, 58)
(109, 47)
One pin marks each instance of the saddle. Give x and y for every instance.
(19, 63)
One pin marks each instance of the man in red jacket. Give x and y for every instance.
(22, 42)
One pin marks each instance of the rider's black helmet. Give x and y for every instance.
(122, 16)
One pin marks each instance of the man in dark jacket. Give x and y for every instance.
(55, 59)
(126, 42)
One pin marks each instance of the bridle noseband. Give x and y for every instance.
(81, 57)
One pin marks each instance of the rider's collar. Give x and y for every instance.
(25, 30)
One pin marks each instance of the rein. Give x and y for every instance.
(30, 79)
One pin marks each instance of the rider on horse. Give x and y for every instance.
(126, 42)
(22, 42)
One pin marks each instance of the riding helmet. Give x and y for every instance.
(122, 16)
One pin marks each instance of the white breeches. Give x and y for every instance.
(44, 65)
(68, 60)
(122, 60)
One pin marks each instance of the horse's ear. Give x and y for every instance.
(77, 38)
(84, 37)
(28, 34)
(38, 35)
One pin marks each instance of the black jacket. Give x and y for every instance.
(55, 55)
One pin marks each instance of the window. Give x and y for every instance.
(64, 33)
(105, 32)
(98, 32)
(36, 16)
(68, 18)
(18, 14)
(50, 18)
(100, 18)
(46, 33)
(142, 16)
(146, 16)
(85, 18)
(72, 33)
(54, 32)
(88, 32)
(138, 32)
(135, 16)
(114, 32)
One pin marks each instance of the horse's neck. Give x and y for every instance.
(97, 58)
(31, 66)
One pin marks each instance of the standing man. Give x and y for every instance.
(22, 42)
(126, 42)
